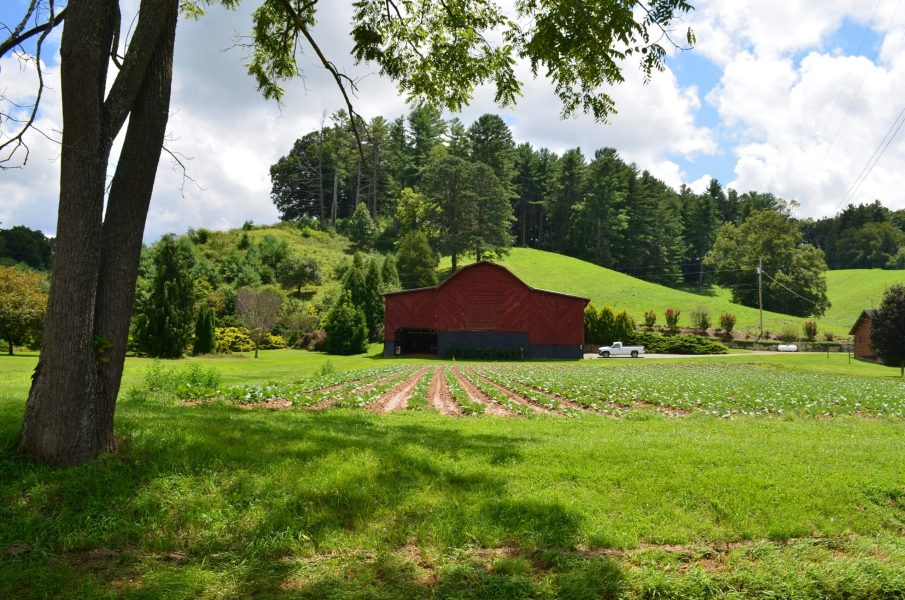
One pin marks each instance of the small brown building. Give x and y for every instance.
(861, 331)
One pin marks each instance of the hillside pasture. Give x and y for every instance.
(395, 489)
(850, 292)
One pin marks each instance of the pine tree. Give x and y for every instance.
(372, 303)
(205, 339)
(361, 227)
(417, 262)
(389, 274)
(165, 325)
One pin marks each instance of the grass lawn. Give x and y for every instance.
(213, 501)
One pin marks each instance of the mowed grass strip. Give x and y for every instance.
(214, 501)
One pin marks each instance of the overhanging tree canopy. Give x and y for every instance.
(434, 51)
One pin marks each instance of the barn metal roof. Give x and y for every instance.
(492, 264)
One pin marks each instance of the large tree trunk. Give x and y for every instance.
(61, 424)
(124, 222)
(69, 412)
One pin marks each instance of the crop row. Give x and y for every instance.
(347, 385)
(496, 395)
(468, 406)
(719, 389)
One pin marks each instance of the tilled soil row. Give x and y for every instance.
(440, 397)
(476, 395)
(511, 394)
(331, 401)
(396, 398)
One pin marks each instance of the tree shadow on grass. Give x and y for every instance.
(222, 489)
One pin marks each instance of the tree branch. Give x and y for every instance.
(17, 141)
(331, 68)
(152, 17)
(17, 37)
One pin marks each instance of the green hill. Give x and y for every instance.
(850, 291)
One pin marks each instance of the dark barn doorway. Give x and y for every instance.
(416, 341)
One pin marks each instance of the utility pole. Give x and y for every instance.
(760, 292)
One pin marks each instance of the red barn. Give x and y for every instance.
(484, 307)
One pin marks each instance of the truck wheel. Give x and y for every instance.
(605, 355)
(634, 354)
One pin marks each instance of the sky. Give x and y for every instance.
(799, 98)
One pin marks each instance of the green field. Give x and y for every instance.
(850, 292)
(217, 501)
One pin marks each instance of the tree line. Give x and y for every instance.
(597, 208)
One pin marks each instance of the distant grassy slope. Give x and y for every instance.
(850, 291)
(853, 290)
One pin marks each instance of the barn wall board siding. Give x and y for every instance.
(485, 297)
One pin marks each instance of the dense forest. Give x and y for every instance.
(597, 208)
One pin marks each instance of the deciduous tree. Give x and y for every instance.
(887, 330)
(23, 303)
(794, 280)
(258, 311)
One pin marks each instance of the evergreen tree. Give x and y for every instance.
(491, 143)
(447, 187)
(623, 328)
(607, 325)
(489, 234)
(389, 274)
(372, 303)
(345, 327)
(165, 326)
(361, 227)
(205, 339)
(568, 190)
(416, 261)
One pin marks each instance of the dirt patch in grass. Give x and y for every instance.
(478, 396)
(396, 398)
(275, 404)
(440, 397)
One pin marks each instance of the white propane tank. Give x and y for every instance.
(787, 348)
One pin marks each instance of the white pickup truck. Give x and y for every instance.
(617, 349)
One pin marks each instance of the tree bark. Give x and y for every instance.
(69, 411)
(127, 209)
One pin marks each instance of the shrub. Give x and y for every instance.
(828, 336)
(168, 383)
(700, 319)
(727, 324)
(233, 339)
(650, 319)
(672, 319)
(273, 342)
(810, 330)
(345, 327)
(788, 333)
(657, 343)
(623, 328)
(312, 340)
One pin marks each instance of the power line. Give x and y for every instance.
(874, 158)
(845, 85)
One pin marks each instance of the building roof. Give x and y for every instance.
(491, 264)
(865, 314)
